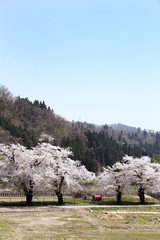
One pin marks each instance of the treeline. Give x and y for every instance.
(94, 146)
(140, 140)
(34, 117)
(134, 141)
(99, 150)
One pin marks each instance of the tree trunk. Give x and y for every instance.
(119, 197)
(60, 198)
(29, 199)
(28, 193)
(58, 191)
(141, 195)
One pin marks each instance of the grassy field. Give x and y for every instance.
(44, 201)
(62, 223)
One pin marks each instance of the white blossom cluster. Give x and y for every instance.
(42, 167)
(133, 173)
(48, 167)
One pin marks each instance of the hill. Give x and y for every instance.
(23, 121)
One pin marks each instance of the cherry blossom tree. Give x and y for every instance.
(21, 169)
(62, 173)
(44, 166)
(114, 178)
(132, 172)
(143, 174)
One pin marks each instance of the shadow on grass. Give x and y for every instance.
(23, 204)
(54, 203)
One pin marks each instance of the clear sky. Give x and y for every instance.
(89, 60)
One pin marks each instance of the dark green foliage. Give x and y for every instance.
(135, 151)
(98, 150)
(107, 151)
(81, 152)
(151, 148)
(23, 135)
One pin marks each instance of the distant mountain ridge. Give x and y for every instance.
(120, 126)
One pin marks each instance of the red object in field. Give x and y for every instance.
(96, 197)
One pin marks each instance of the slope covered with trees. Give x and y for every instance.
(134, 141)
(23, 121)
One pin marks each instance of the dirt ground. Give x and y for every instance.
(77, 223)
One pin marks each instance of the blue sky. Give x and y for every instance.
(93, 61)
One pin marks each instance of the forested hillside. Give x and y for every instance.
(132, 139)
(24, 121)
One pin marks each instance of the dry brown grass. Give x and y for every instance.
(110, 216)
(77, 223)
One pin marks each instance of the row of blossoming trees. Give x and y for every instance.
(48, 167)
(132, 175)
